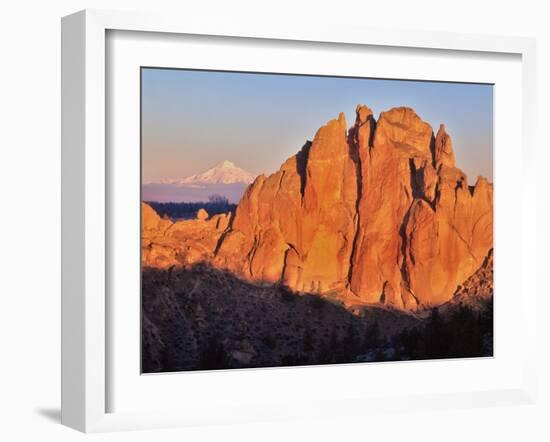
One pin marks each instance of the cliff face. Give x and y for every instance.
(298, 225)
(378, 213)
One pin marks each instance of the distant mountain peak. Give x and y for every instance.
(225, 172)
(226, 164)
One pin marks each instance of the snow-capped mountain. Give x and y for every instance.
(225, 172)
(225, 179)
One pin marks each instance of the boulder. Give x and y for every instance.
(202, 214)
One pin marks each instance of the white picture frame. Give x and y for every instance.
(85, 307)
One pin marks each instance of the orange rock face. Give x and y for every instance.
(378, 213)
(297, 226)
(164, 243)
(401, 140)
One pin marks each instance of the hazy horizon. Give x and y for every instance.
(193, 120)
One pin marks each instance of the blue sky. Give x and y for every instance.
(192, 120)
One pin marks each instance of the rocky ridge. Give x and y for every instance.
(476, 292)
(375, 214)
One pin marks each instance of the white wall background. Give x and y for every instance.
(30, 214)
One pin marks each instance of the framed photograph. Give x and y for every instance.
(269, 223)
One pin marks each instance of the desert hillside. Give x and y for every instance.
(198, 317)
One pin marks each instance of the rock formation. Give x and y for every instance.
(165, 244)
(375, 214)
(202, 215)
(476, 292)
